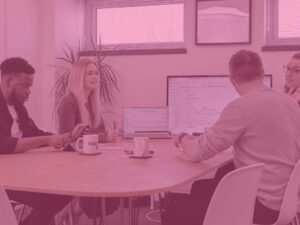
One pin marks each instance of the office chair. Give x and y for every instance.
(15, 205)
(289, 205)
(7, 215)
(233, 200)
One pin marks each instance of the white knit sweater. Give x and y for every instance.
(263, 126)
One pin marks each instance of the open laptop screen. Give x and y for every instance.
(145, 120)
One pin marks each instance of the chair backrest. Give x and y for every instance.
(233, 200)
(7, 215)
(289, 203)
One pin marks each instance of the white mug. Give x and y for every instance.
(89, 144)
(141, 146)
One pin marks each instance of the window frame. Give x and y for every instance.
(272, 41)
(90, 30)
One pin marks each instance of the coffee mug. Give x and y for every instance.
(141, 146)
(89, 144)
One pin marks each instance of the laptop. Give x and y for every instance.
(149, 122)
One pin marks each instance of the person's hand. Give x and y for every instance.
(56, 141)
(113, 135)
(78, 131)
(178, 139)
(295, 93)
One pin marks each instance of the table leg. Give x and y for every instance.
(162, 205)
(122, 211)
(130, 212)
(136, 209)
(152, 200)
(133, 211)
(95, 210)
(103, 217)
(168, 199)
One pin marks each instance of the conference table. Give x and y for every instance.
(109, 174)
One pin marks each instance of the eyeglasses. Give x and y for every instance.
(291, 70)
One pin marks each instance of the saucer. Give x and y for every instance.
(141, 157)
(92, 153)
(130, 152)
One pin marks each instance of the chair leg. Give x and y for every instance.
(70, 215)
(21, 213)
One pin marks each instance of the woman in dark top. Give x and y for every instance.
(82, 105)
(82, 102)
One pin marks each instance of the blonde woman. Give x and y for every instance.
(82, 105)
(82, 102)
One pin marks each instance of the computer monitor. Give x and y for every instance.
(195, 102)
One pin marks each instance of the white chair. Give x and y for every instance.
(233, 200)
(7, 215)
(289, 205)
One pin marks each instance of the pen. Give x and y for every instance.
(114, 125)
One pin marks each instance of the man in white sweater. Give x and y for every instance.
(263, 126)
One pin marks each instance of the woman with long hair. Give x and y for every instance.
(82, 101)
(81, 104)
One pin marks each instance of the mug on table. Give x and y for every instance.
(88, 144)
(141, 146)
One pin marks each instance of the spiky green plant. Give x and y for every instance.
(108, 75)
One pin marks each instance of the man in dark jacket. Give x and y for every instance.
(18, 133)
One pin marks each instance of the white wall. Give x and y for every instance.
(3, 7)
(36, 30)
(68, 24)
(144, 76)
(22, 23)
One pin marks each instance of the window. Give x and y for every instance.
(282, 23)
(136, 25)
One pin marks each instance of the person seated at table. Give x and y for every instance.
(263, 126)
(81, 104)
(292, 77)
(18, 134)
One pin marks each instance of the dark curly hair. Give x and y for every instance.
(16, 65)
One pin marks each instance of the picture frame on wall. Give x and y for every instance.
(220, 22)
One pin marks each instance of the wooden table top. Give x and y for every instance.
(111, 173)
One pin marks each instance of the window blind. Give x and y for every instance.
(136, 24)
(130, 3)
(283, 22)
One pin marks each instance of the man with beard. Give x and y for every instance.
(18, 133)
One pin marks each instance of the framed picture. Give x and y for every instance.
(223, 22)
